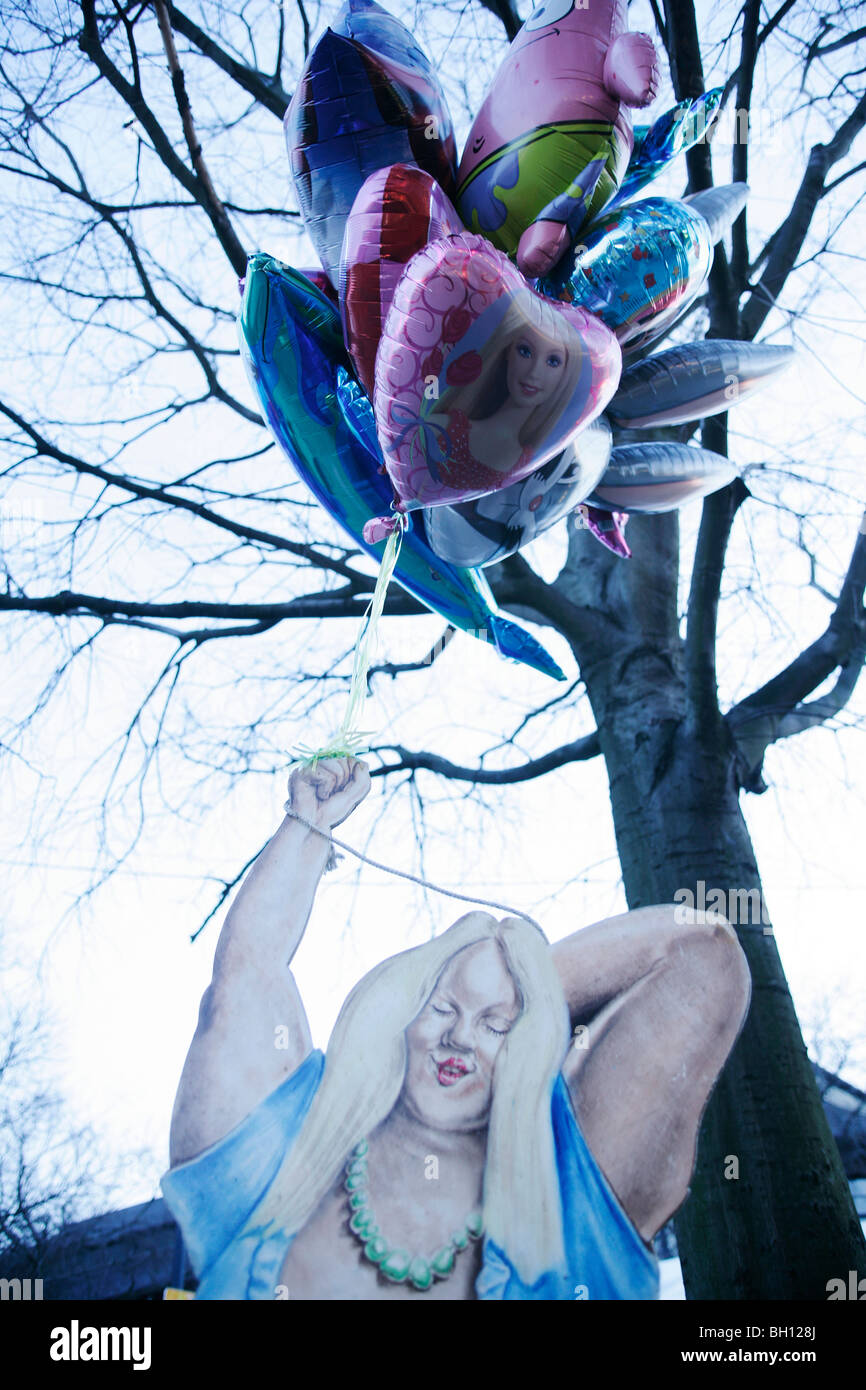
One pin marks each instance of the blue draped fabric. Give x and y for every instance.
(213, 1196)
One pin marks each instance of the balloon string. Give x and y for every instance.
(349, 741)
(401, 873)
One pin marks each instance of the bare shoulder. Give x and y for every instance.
(646, 1062)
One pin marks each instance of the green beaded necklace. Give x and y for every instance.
(394, 1263)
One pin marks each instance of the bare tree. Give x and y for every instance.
(134, 139)
(52, 1171)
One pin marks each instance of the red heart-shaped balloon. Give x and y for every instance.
(398, 210)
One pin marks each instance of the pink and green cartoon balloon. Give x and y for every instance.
(552, 141)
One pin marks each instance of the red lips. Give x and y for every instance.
(451, 1071)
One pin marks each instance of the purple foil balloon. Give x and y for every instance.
(367, 97)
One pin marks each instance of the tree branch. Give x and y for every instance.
(517, 587)
(660, 24)
(339, 603)
(787, 241)
(687, 74)
(776, 710)
(153, 492)
(855, 36)
(305, 24)
(106, 213)
(849, 173)
(89, 43)
(398, 668)
(214, 207)
(776, 20)
(812, 712)
(268, 91)
(506, 12)
(817, 50)
(717, 519)
(579, 751)
(740, 161)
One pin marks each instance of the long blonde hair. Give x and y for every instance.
(365, 1068)
(487, 394)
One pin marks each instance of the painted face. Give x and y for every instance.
(454, 1042)
(535, 369)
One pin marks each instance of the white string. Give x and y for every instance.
(401, 873)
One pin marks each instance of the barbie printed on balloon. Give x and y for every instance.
(478, 378)
(502, 401)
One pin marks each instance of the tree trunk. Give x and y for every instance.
(779, 1221)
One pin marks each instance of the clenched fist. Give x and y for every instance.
(326, 794)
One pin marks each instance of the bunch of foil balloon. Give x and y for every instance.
(476, 328)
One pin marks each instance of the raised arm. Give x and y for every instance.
(663, 1001)
(234, 1060)
(601, 962)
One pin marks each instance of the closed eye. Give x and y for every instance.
(498, 1032)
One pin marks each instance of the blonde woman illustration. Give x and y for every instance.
(495, 1118)
(503, 402)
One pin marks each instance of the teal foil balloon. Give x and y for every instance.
(637, 268)
(657, 145)
(292, 345)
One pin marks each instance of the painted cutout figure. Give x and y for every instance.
(456, 1143)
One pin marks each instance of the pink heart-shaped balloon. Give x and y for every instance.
(478, 378)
